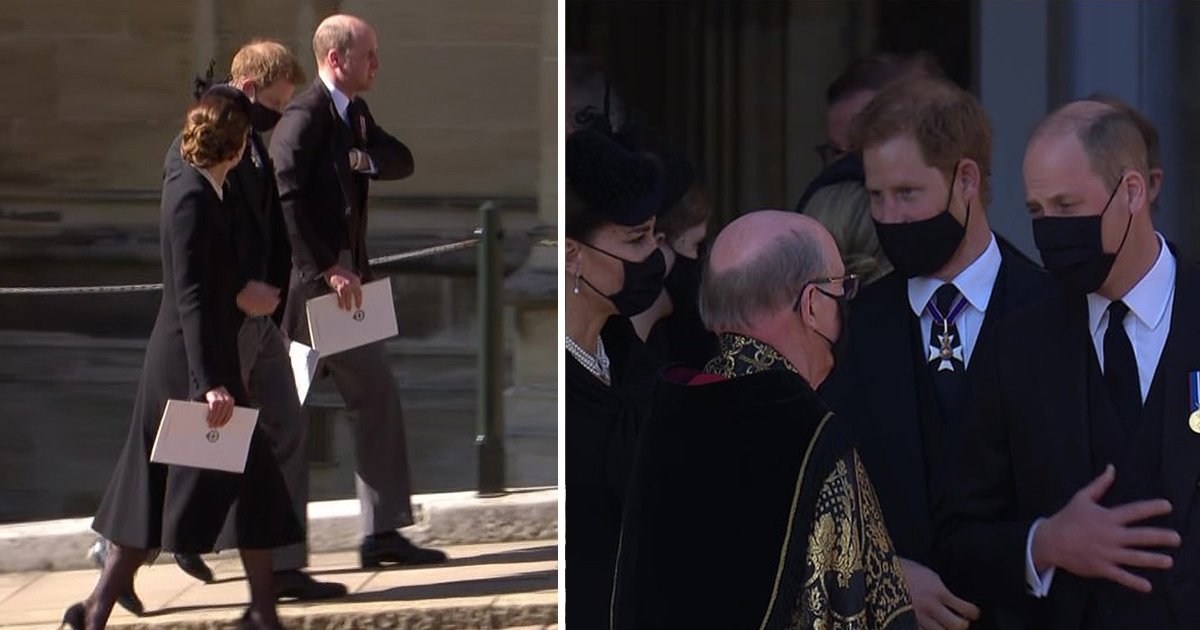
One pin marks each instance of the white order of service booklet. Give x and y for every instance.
(185, 439)
(334, 330)
(304, 367)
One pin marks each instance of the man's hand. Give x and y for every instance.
(936, 607)
(1093, 541)
(347, 286)
(258, 298)
(359, 160)
(220, 407)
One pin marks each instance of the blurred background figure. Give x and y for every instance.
(857, 85)
(672, 325)
(591, 99)
(844, 208)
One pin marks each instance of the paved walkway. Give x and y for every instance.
(504, 585)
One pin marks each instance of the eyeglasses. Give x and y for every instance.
(849, 288)
(829, 153)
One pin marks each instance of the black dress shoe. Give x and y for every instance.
(130, 601)
(193, 565)
(75, 618)
(298, 585)
(391, 547)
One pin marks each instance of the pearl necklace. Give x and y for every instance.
(597, 365)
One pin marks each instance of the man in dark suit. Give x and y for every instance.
(326, 149)
(926, 147)
(267, 73)
(1073, 493)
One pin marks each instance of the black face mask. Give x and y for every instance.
(838, 347)
(1072, 248)
(643, 282)
(683, 283)
(922, 247)
(263, 118)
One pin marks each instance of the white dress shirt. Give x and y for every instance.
(975, 282)
(341, 103)
(1151, 302)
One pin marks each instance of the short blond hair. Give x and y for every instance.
(266, 62)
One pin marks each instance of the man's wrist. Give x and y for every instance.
(1042, 551)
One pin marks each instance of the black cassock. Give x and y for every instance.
(749, 508)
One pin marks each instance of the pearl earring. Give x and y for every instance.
(575, 290)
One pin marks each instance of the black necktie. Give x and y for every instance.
(1120, 368)
(352, 120)
(945, 352)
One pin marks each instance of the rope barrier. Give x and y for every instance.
(139, 288)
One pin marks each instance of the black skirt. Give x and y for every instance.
(183, 509)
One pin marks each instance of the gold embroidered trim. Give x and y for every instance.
(740, 355)
(787, 533)
(849, 544)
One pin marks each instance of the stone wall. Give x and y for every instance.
(96, 88)
(95, 92)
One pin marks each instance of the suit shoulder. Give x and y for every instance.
(881, 295)
(173, 160)
(1014, 328)
(311, 98)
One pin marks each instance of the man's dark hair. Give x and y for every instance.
(874, 72)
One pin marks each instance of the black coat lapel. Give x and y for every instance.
(890, 430)
(1062, 379)
(1181, 356)
(251, 191)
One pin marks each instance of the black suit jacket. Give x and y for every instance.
(879, 392)
(1027, 448)
(259, 232)
(325, 201)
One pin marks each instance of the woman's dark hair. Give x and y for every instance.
(214, 129)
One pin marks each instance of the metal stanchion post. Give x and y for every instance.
(489, 434)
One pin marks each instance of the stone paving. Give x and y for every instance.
(503, 585)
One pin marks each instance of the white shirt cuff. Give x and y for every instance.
(370, 170)
(1039, 585)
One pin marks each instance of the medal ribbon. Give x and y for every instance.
(956, 308)
(1194, 386)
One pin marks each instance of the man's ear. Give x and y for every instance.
(247, 86)
(1155, 182)
(806, 309)
(970, 178)
(1137, 192)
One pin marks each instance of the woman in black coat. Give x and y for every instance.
(192, 355)
(614, 270)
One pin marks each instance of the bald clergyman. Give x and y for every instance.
(748, 506)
